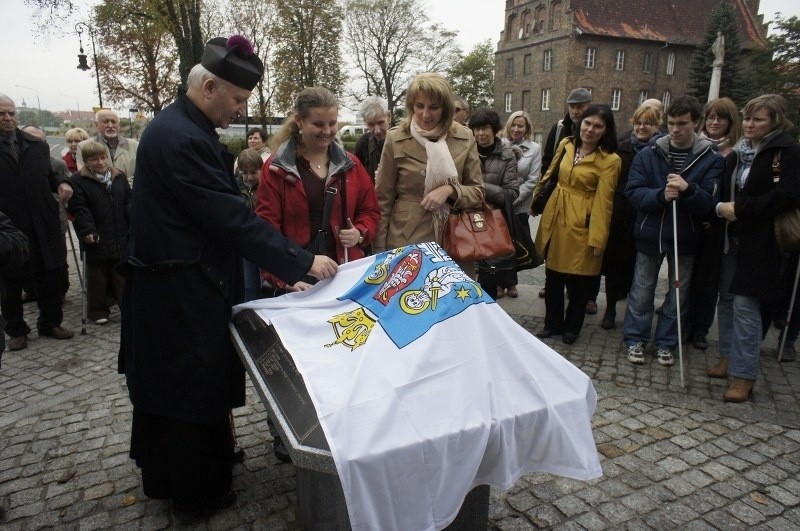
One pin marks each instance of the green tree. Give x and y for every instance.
(138, 62)
(307, 48)
(390, 41)
(473, 76)
(776, 70)
(733, 84)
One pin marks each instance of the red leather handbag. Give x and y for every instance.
(477, 234)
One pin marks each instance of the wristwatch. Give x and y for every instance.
(360, 238)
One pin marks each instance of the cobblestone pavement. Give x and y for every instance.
(673, 457)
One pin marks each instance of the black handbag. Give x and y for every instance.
(524, 248)
(540, 200)
(786, 224)
(319, 242)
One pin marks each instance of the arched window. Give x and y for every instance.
(666, 98)
(512, 20)
(527, 22)
(556, 14)
(541, 13)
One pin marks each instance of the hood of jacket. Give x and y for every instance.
(699, 145)
(286, 159)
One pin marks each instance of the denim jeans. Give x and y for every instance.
(639, 313)
(739, 321)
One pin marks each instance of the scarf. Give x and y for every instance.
(637, 144)
(104, 178)
(439, 170)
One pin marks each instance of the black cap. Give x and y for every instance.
(234, 61)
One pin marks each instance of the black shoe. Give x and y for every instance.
(545, 333)
(699, 341)
(569, 338)
(608, 318)
(280, 451)
(542, 293)
(238, 454)
(223, 502)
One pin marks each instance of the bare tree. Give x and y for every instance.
(390, 41)
(307, 48)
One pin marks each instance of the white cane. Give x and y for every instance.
(677, 285)
(789, 312)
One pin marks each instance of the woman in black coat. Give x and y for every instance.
(763, 182)
(620, 256)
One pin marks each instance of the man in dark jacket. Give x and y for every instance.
(13, 253)
(189, 231)
(680, 167)
(27, 183)
(577, 101)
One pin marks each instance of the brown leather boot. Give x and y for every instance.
(739, 390)
(720, 370)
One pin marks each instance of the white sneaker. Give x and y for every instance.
(665, 357)
(100, 321)
(636, 353)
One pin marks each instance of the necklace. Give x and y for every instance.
(579, 156)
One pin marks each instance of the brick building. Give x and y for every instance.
(623, 51)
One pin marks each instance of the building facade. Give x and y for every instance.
(623, 51)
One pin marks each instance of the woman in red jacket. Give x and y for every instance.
(307, 169)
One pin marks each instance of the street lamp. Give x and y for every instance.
(38, 103)
(82, 65)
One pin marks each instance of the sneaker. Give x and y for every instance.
(636, 353)
(665, 357)
(100, 321)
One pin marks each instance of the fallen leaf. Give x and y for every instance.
(128, 500)
(759, 498)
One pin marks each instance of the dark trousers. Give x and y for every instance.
(49, 288)
(101, 277)
(186, 462)
(579, 290)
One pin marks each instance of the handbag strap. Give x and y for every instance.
(327, 207)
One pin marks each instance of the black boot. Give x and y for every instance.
(611, 313)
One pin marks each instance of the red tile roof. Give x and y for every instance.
(676, 21)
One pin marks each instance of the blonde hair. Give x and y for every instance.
(438, 89)
(505, 132)
(646, 112)
(308, 98)
(776, 106)
(76, 133)
(93, 148)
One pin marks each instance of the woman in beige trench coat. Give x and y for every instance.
(428, 164)
(574, 227)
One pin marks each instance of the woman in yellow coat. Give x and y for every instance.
(575, 223)
(428, 164)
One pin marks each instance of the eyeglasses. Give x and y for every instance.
(644, 124)
(9, 113)
(716, 118)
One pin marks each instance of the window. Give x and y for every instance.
(665, 99)
(510, 26)
(647, 65)
(548, 60)
(642, 96)
(546, 99)
(540, 20)
(526, 63)
(616, 97)
(670, 65)
(507, 102)
(556, 12)
(589, 59)
(537, 137)
(619, 60)
(526, 100)
(510, 67)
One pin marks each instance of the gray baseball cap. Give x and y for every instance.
(579, 95)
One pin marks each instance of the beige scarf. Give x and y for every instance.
(440, 168)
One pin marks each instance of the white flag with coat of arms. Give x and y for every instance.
(426, 388)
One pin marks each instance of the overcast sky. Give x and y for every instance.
(46, 63)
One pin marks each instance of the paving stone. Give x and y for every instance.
(745, 513)
(571, 505)
(544, 516)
